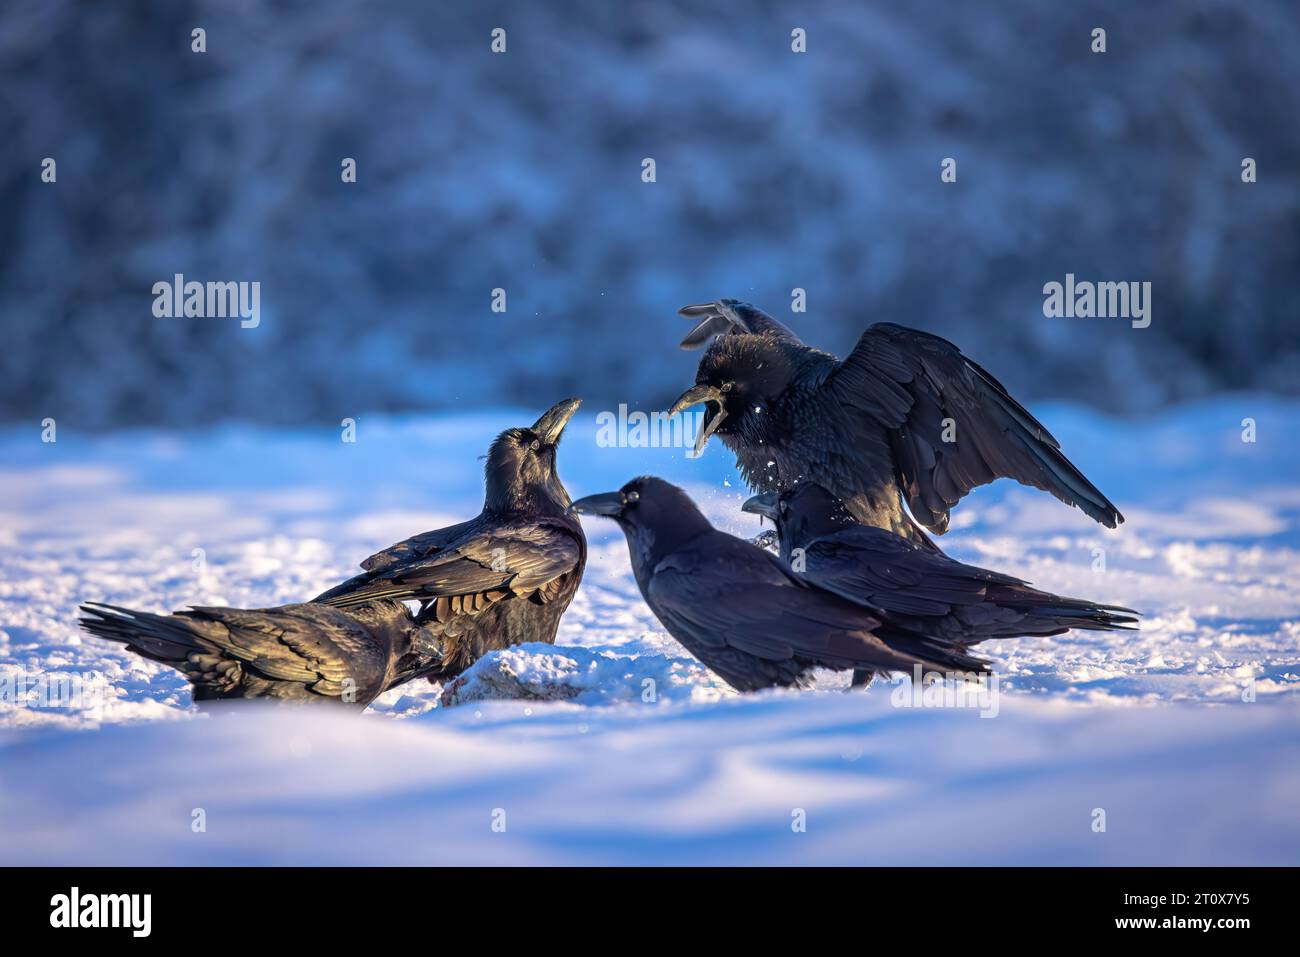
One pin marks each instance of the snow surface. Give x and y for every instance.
(1184, 734)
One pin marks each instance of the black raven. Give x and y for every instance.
(502, 578)
(912, 587)
(905, 417)
(741, 611)
(505, 576)
(294, 653)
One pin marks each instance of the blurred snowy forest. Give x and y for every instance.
(775, 170)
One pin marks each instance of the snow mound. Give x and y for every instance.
(540, 672)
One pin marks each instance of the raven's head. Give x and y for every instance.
(657, 516)
(802, 513)
(740, 378)
(520, 473)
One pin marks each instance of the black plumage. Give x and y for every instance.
(904, 418)
(301, 653)
(741, 611)
(502, 578)
(913, 587)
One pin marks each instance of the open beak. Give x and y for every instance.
(714, 411)
(763, 504)
(609, 504)
(553, 420)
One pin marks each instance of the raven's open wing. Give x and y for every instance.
(911, 382)
(484, 565)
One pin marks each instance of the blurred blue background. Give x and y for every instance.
(775, 170)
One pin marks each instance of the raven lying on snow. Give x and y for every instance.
(915, 588)
(742, 612)
(293, 653)
(871, 428)
(501, 578)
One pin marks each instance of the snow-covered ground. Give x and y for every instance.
(1184, 734)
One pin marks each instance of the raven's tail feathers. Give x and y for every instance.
(1062, 613)
(162, 638)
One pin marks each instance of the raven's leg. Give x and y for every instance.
(861, 678)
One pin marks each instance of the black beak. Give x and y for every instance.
(694, 396)
(609, 504)
(764, 504)
(550, 426)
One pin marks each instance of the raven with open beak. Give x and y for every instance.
(905, 420)
(502, 578)
(505, 576)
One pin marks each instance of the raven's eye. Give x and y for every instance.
(536, 445)
(632, 496)
(726, 386)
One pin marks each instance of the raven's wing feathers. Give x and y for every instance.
(745, 602)
(878, 569)
(416, 546)
(918, 589)
(484, 565)
(911, 382)
(296, 643)
(725, 593)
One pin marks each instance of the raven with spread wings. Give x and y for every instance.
(905, 418)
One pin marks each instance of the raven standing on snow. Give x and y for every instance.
(741, 611)
(502, 578)
(871, 428)
(914, 587)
